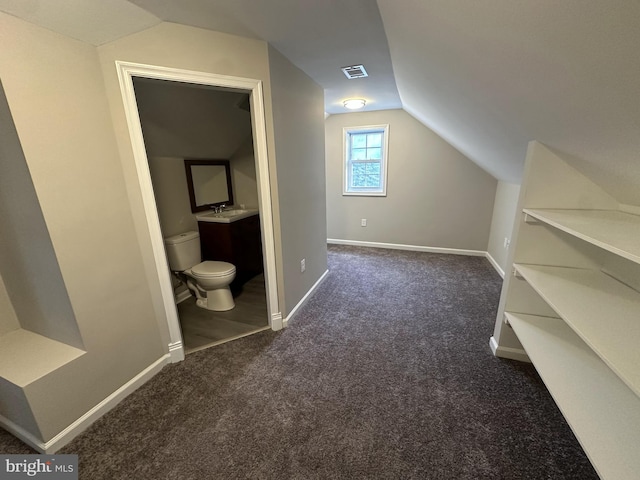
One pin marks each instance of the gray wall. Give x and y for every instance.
(298, 124)
(192, 121)
(172, 196)
(68, 111)
(177, 46)
(436, 197)
(243, 175)
(504, 214)
(27, 258)
(184, 121)
(55, 89)
(8, 319)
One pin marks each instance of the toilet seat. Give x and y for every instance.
(212, 269)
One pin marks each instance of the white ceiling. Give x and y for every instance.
(487, 76)
(490, 76)
(92, 21)
(319, 36)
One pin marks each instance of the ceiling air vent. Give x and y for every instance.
(355, 71)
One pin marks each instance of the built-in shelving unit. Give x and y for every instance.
(595, 403)
(572, 306)
(603, 312)
(612, 230)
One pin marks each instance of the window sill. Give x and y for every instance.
(364, 194)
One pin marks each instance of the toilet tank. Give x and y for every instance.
(183, 251)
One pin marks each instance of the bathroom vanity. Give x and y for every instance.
(227, 234)
(233, 236)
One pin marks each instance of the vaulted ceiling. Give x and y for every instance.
(488, 76)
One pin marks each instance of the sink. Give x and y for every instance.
(227, 216)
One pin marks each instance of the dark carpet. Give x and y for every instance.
(385, 373)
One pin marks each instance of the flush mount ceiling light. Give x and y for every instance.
(354, 103)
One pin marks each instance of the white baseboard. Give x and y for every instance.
(276, 322)
(508, 352)
(176, 352)
(419, 248)
(183, 295)
(495, 265)
(308, 295)
(80, 425)
(415, 248)
(21, 433)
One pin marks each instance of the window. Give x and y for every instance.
(365, 160)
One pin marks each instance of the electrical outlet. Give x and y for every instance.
(507, 242)
(363, 222)
(302, 265)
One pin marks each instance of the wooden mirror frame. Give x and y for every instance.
(188, 163)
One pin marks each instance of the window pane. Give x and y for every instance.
(374, 153)
(365, 160)
(366, 175)
(373, 175)
(358, 171)
(359, 168)
(373, 168)
(372, 181)
(358, 140)
(374, 140)
(359, 154)
(359, 181)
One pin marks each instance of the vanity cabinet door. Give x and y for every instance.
(237, 242)
(215, 241)
(247, 245)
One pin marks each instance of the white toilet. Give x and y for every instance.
(208, 280)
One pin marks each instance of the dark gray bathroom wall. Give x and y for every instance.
(192, 121)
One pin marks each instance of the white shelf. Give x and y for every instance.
(612, 230)
(26, 356)
(602, 311)
(589, 357)
(603, 413)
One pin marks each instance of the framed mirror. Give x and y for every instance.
(209, 183)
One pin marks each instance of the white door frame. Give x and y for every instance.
(126, 72)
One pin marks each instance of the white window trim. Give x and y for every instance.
(345, 160)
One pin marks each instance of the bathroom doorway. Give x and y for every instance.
(183, 123)
(174, 136)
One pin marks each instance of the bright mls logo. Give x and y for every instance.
(51, 467)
